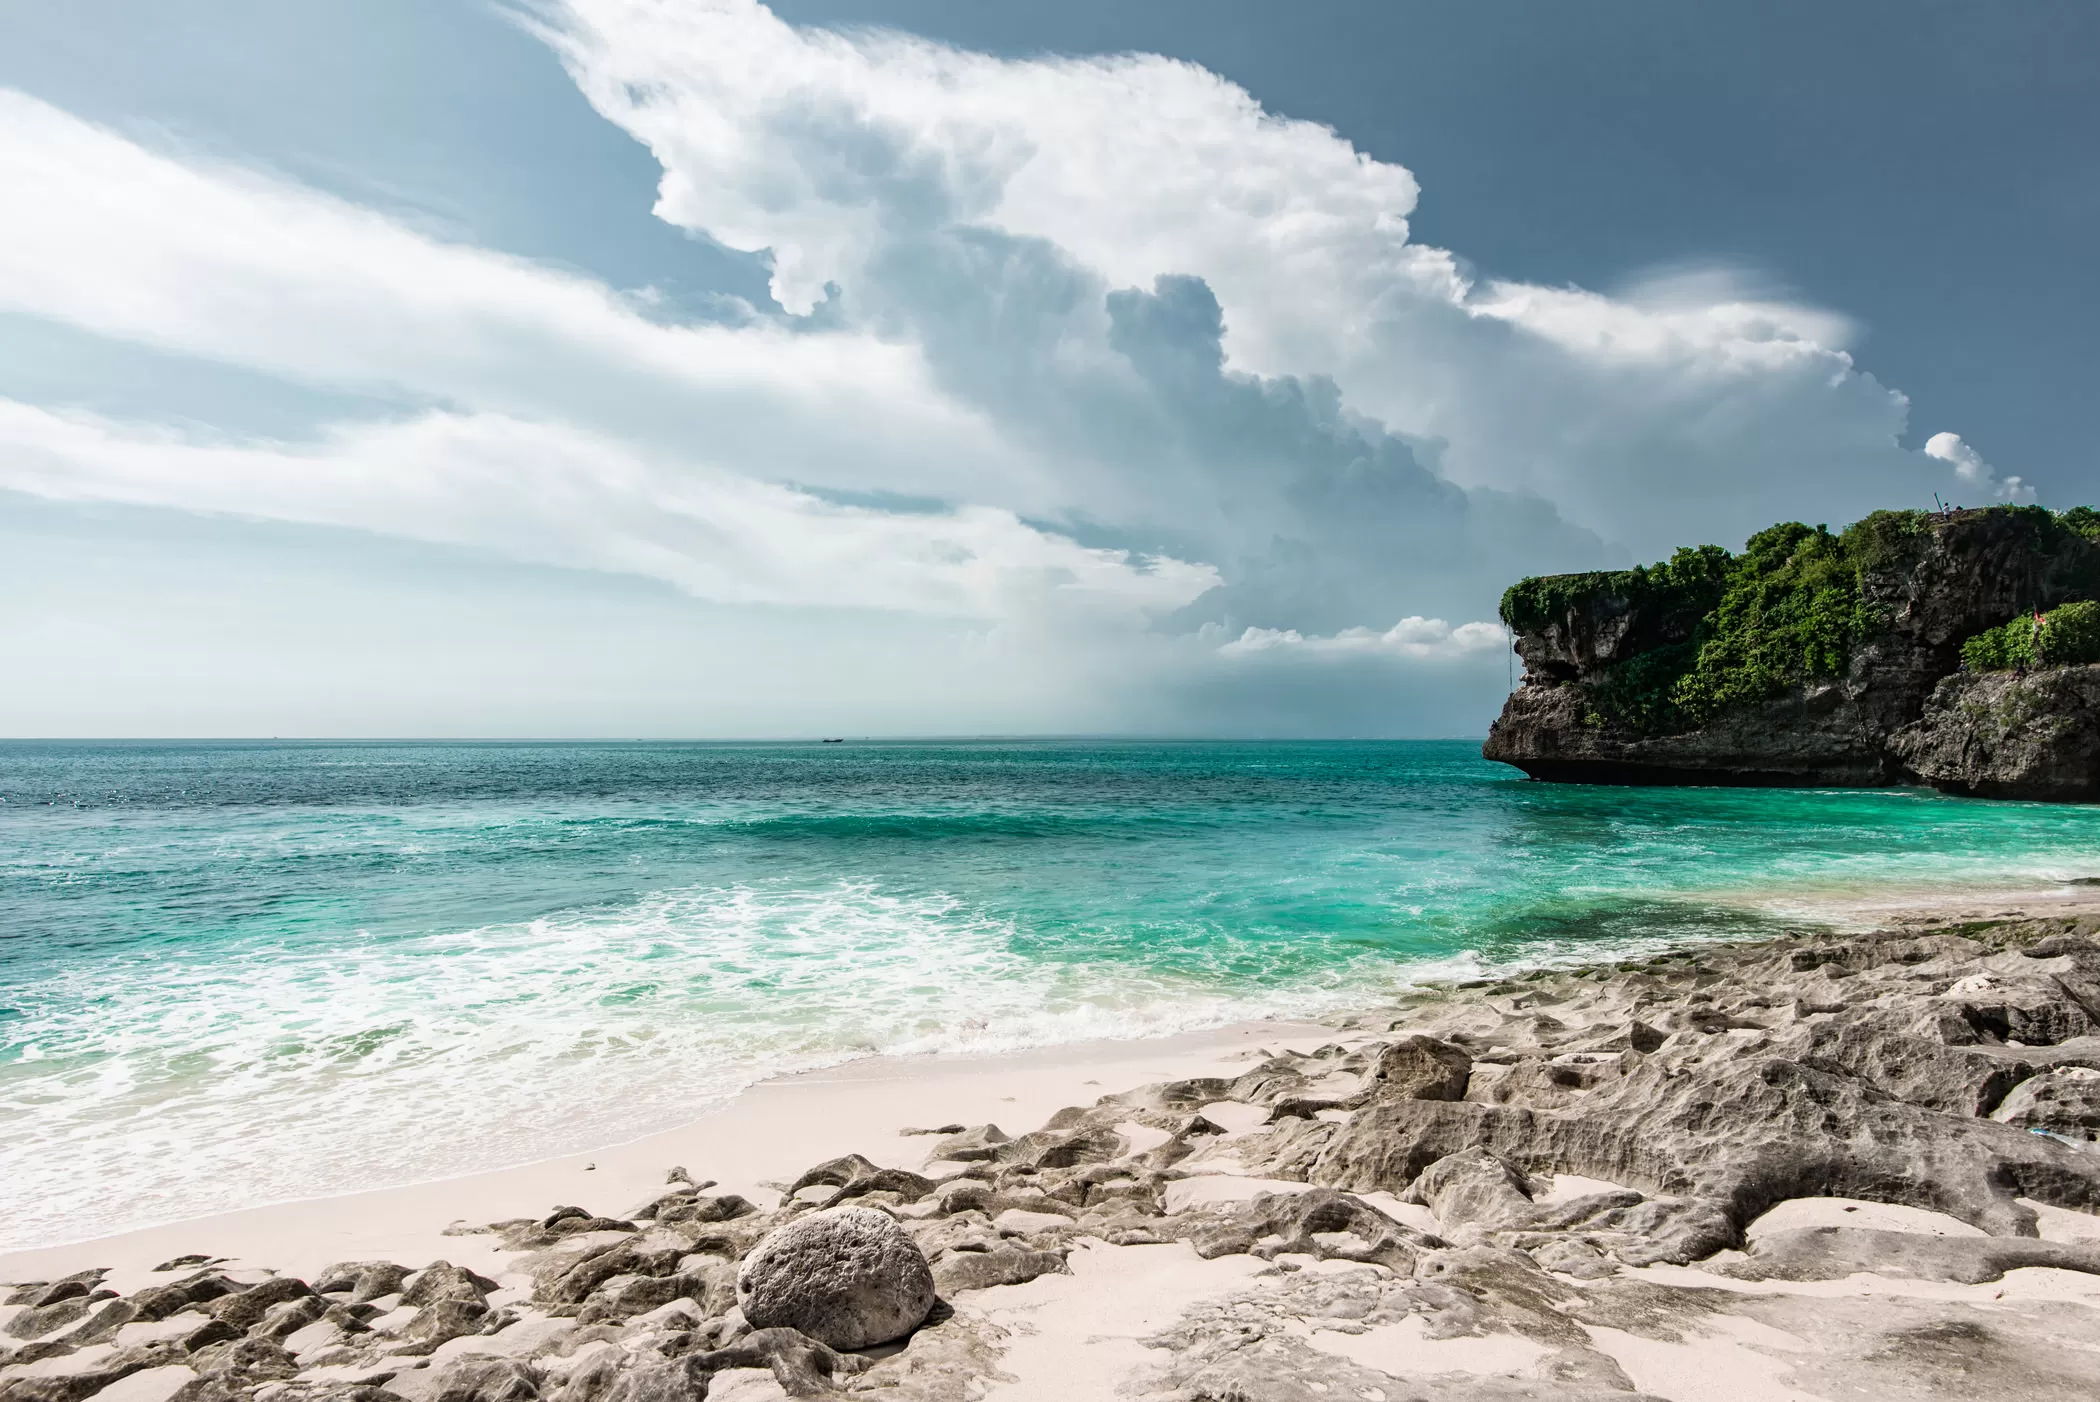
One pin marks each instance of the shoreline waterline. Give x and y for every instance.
(771, 1129)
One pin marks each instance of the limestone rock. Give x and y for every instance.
(1832, 1253)
(441, 1280)
(448, 1318)
(849, 1277)
(1423, 1068)
(479, 1379)
(2065, 1101)
(1324, 1223)
(958, 1271)
(1701, 1085)
(855, 1176)
(39, 1320)
(364, 1280)
(245, 1310)
(671, 1380)
(1998, 735)
(971, 1145)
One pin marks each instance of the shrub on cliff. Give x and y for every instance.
(1791, 613)
(1686, 585)
(1788, 610)
(2066, 636)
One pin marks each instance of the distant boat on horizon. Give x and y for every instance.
(833, 742)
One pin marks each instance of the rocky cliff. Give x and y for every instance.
(1813, 658)
(2000, 735)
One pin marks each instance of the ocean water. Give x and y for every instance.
(240, 973)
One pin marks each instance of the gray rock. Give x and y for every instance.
(1322, 1222)
(1998, 735)
(245, 1310)
(803, 1366)
(1832, 1253)
(378, 1279)
(670, 1380)
(958, 1271)
(1472, 1188)
(1715, 1081)
(344, 1276)
(72, 1287)
(281, 1321)
(571, 1281)
(160, 1301)
(1423, 1068)
(104, 1323)
(212, 1331)
(243, 1362)
(711, 1286)
(855, 1176)
(1789, 1130)
(692, 1205)
(185, 1263)
(849, 1277)
(596, 1378)
(441, 1280)
(478, 1379)
(447, 1319)
(971, 1145)
(37, 1321)
(2064, 1101)
(75, 1386)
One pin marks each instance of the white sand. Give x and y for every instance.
(772, 1132)
(1080, 1335)
(1796, 1214)
(1715, 1368)
(1405, 1349)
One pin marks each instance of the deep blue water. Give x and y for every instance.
(237, 972)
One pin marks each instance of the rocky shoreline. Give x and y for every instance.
(1806, 1168)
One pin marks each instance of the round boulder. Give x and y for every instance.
(849, 1277)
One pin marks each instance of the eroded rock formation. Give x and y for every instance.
(1599, 652)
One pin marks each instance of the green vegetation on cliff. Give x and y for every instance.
(2066, 636)
(1686, 587)
(1721, 631)
(1789, 611)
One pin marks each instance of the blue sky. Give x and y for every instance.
(622, 367)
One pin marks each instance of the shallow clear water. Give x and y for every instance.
(235, 973)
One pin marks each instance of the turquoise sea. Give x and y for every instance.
(236, 973)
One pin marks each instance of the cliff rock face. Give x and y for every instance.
(1997, 735)
(1890, 707)
(1827, 735)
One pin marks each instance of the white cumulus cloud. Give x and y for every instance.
(562, 496)
(884, 166)
(1973, 472)
(1416, 637)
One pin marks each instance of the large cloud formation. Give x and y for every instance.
(1098, 350)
